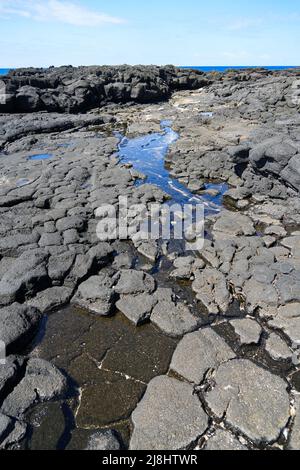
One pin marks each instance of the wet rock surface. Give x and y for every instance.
(214, 333)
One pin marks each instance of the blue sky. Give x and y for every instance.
(187, 32)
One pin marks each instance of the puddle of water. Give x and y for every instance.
(207, 115)
(41, 156)
(109, 361)
(147, 155)
(87, 184)
(22, 182)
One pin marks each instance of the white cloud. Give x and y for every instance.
(56, 10)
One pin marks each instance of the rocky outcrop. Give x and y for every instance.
(231, 318)
(73, 90)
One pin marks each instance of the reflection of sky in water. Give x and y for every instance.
(23, 182)
(41, 156)
(147, 155)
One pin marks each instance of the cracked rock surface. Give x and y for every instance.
(168, 417)
(251, 399)
(141, 340)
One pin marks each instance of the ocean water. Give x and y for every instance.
(4, 71)
(217, 68)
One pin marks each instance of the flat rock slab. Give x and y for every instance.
(249, 331)
(233, 224)
(96, 294)
(277, 348)
(135, 282)
(18, 324)
(288, 320)
(224, 440)
(50, 299)
(42, 382)
(293, 243)
(174, 319)
(169, 417)
(85, 264)
(259, 295)
(198, 352)
(253, 400)
(137, 308)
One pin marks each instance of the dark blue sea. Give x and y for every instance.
(4, 71)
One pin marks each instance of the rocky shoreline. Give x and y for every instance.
(74, 90)
(227, 316)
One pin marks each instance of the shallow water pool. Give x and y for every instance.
(41, 156)
(147, 155)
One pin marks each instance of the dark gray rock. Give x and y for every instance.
(26, 276)
(68, 89)
(9, 374)
(42, 382)
(135, 282)
(50, 239)
(69, 223)
(5, 425)
(89, 263)
(70, 237)
(169, 417)
(137, 308)
(278, 157)
(253, 400)
(96, 294)
(11, 431)
(50, 299)
(18, 324)
(12, 242)
(59, 266)
(174, 319)
(198, 352)
(28, 99)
